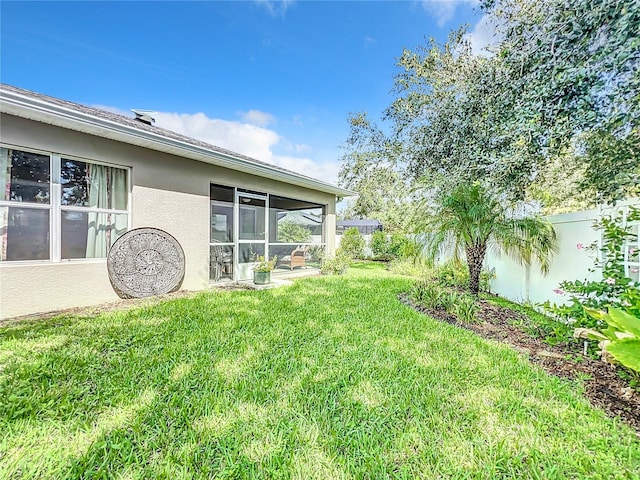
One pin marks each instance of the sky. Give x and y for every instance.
(274, 80)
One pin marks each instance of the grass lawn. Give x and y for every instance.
(329, 378)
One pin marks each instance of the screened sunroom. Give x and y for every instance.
(246, 225)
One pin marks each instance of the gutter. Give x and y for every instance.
(23, 106)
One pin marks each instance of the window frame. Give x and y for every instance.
(56, 208)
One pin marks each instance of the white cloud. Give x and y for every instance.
(256, 142)
(327, 171)
(249, 140)
(484, 34)
(276, 8)
(444, 10)
(258, 118)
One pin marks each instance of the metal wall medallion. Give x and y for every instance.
(145, 262)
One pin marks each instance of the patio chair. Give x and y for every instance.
(220, 263)
(296, 258)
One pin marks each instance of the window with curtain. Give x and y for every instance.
(94, 208)
(87, 217)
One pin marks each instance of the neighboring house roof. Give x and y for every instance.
(300, 218)
(73, 116)
(358, 223)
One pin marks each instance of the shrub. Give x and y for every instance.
(336, 265)
(316, 253)
(453, 274)
(352, 243)
(379, 244)
(398, 245)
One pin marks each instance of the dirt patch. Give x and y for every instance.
(603, 387)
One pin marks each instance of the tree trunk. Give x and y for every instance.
(475, 258)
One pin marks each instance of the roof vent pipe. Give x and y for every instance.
(144, 116)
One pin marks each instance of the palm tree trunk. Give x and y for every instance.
(475, 258)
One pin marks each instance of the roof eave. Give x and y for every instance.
(23, 106)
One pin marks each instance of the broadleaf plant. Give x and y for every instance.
(620, 341)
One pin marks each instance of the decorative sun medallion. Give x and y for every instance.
(145, 262)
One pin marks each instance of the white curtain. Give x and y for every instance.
(107, 189)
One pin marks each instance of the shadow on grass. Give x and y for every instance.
(330, 377)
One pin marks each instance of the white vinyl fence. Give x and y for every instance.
(575, 232)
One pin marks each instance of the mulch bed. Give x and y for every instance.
(603, 387)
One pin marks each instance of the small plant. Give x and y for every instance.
(428, 295)
(263, 265)
(620, 341)
(352, 243)
(465, 309)
(336, 265)
(435, 297)
(452, 273)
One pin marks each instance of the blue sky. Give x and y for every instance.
(271, 79)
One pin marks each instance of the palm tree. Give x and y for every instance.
(469, 219)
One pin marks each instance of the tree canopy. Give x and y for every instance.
(552, 115)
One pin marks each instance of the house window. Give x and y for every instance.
(56, 208)
(93, 205)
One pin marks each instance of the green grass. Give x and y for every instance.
(329, 378)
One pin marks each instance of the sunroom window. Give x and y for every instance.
(82, 219)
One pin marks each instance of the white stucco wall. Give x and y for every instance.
(168, 192)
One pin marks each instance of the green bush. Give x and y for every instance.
(412, 249)
(398, 245)
(452, 274)
(379, 244)
(336, 265)
(352, 243)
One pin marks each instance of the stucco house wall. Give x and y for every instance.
(167, 192)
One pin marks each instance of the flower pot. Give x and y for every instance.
(261, 278)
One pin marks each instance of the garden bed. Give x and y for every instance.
(602, 385)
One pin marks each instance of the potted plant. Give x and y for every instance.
(262, 270)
